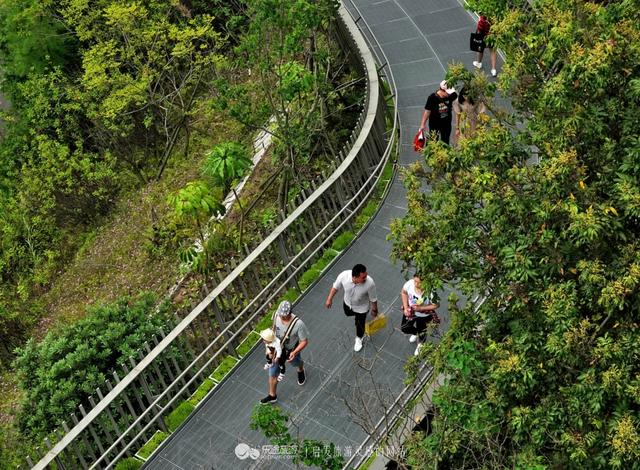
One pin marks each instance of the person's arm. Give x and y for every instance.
(303, 340)
(374, 308)
(278, 348)
(425, 117)
(301, 345)
(373, 298)
(426, 308)
(329, 301)
(404, 296)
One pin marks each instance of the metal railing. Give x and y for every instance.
(124, 418)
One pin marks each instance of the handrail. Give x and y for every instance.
(391, 415)
(370, 129)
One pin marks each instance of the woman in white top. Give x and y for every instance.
(417, 308)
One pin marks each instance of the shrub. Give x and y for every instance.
(342, 241)
(177, 416)
(64, 369)
(201, 391)
(130, 463)
(223, 369)
(248, 343)
(308, 277)
(267, 320)
(152, 444)
(328, 255)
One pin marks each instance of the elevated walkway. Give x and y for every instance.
(419, 39)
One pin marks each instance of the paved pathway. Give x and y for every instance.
(419, 38)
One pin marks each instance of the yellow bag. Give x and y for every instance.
(378, 323)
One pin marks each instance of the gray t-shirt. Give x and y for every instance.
(299, 332)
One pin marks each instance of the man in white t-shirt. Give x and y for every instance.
(359, 296)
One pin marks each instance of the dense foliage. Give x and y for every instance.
(542, 218)
(101, 93)
(60, 372)
(306, 82)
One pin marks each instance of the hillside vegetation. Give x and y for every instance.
(129, 123)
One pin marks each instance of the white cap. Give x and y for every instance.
(268, 335)
(443, 86)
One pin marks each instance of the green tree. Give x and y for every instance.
(298, 71)
(542, 218)
(32, 41)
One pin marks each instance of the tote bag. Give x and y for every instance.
(476, 42)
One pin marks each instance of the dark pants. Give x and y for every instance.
(443, 132)
(360, 319)
(421, 327)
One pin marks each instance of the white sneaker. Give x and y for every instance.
(413, 338)
(494, 72)
(417, 351)
(477, 64)
(358, 346)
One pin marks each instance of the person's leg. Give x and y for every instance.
(421, 326)
(360, 320)
(478, 63)
(272, 397)
(445, 134)
(299, 364)
(494, 61)
(421, 329)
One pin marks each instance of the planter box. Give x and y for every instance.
(223, 369)
(151, 445)
(248, 343)
(202, 391)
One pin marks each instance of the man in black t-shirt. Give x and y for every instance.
(438, 111)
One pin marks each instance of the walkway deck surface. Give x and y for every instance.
(419, 38)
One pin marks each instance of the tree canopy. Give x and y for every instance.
(542, 218)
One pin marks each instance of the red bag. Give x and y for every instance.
(419, 141)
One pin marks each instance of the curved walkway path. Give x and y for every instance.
(419, 38)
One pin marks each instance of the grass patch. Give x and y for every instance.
(328, 255)
(248, 343)
(267, 321)
(130, 463)
(343, 240)
(201, 392)
(308, 277)
(177, 416)
(152, 444)
(223, 369)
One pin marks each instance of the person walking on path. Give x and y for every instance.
(294, 337)
(484, 28)
(359, 295)
(418, 309)
(438, 111)
(467, 109)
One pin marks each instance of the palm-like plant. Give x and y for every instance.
(226, 163)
